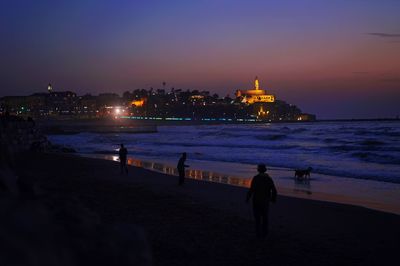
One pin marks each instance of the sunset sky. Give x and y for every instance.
(337, 59)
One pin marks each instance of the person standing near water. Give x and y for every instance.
(123, 153)
(263, 191)
(181, 168)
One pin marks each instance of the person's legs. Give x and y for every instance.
(265, 220)
(257, 217)
(126, 167)
(123, 166)
(181, 177)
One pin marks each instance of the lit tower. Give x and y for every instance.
(255, 95)
(256, 84)
(49, 88)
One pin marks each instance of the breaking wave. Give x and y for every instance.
(363, 150)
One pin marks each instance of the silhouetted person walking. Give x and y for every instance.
(263, 191)
(123, 153)
(181, 168)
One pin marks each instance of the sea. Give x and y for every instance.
(359, 158)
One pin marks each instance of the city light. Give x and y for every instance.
(138, 103)
(143, 104)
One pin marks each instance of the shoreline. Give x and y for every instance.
(204, 223)
(212, 121)
(358, 152)
(375, 195)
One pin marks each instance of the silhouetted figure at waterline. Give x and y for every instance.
(181, 169)
(263, 191)
(123, 154)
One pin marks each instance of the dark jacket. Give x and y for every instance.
(123, 152)
(181, 164)
(262, 189)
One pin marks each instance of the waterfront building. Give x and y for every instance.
(254, 104)
(138, 103)
(62, 103)
(255, 95)
(306, 117)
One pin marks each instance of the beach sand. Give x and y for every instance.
(205, 223)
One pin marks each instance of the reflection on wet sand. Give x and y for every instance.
(302, 186)
(286, 185)
(298, 187)
(192, 173)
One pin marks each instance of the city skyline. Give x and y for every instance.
(337, 60)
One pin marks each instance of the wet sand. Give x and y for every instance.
(377, 195)
(206, 223)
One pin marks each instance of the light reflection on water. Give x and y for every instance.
(295, 187)
(191, 173)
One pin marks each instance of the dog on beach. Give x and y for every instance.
(302, 174)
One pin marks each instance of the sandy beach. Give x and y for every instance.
(205, 223)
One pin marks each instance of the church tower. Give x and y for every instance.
(256, 84)
(255, 95)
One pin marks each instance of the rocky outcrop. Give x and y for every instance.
(19, 135)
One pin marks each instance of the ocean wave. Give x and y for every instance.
(372, 142)
(344, 148)
(384, 128)
(330, 140)
(366, 147)
(388, 134)
(227, 145)
(377, 158)
(362, 150)
(381, 133)
(272, 137)
(361, 132)
(341, 171)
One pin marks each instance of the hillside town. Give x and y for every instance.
(254, 104)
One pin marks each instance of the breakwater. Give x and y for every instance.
(75, 126)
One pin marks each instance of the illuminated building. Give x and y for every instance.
(255, 95)
(138, 103)
(262, 112)
(196, 97)
(306, 117)
(62, 102)
(113, 111)
(178, 105)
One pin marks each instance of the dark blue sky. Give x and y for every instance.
(338, 59)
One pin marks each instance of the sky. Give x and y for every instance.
(336, 59)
